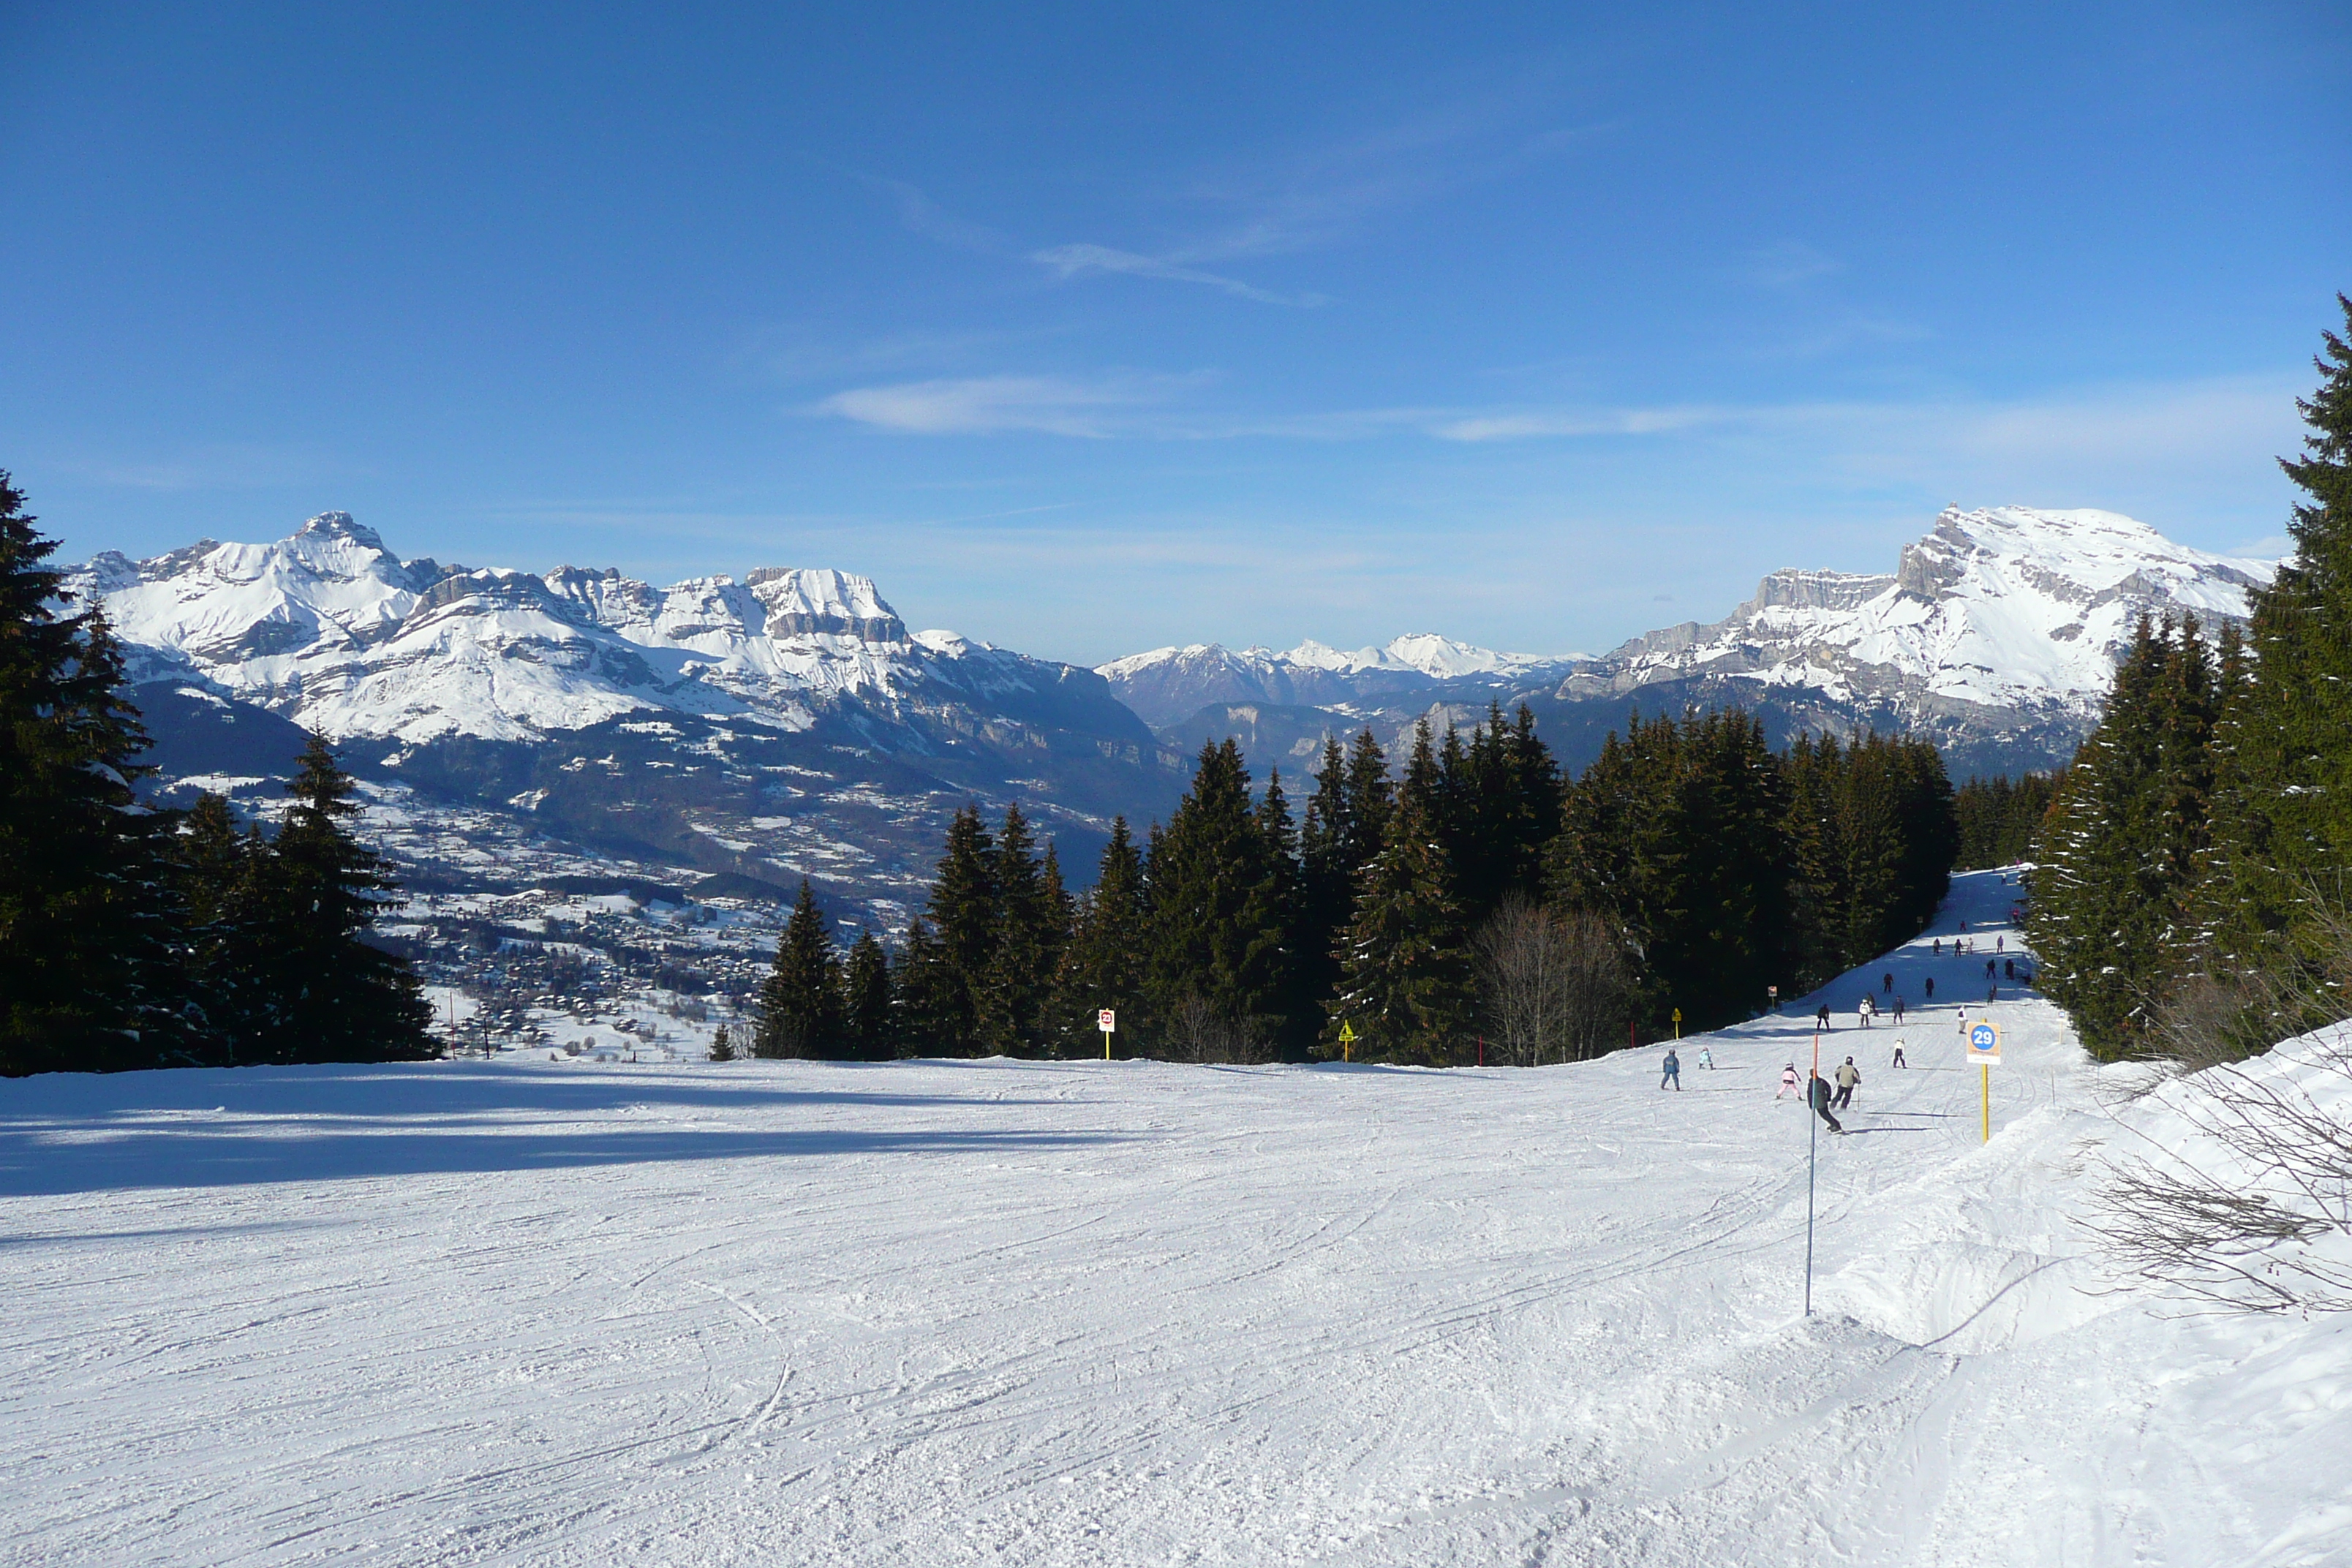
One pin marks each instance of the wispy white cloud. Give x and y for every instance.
(1051, 404)
(1069, 262)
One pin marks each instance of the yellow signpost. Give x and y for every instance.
(1106, 1020)
(1678, 1023)
(1347, 1042)
(1984, 1049)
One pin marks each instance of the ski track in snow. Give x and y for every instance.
(1086, 1313)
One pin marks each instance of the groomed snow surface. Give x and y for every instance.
(1014, 1312)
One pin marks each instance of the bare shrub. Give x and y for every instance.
(2257, 1215)
(1197, 1030)
(1554, 984)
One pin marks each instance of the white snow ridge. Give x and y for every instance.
(1110, 1313)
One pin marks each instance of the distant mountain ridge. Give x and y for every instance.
(1996, 636)
(753, 730)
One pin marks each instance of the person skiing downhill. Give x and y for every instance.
(1822, 1017)
(1931, 988)
(1847, 1076)
(1788, 1082)
(1898, 1056)
(1674, 1073)
(1898, 1009)
(1819, 1097)
(1938, 946)
(1866, 1011)
(1886, 983)
(1706, 1058)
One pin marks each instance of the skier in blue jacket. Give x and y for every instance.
(1673, 1074)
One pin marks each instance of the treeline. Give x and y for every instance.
(2195, 870)
(139, 938)
(2000, 817)
(1471, 900)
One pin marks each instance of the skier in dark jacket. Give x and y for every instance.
(1821, 1018)
(1819, 1094)
(1674, 1073)
(1931, 988)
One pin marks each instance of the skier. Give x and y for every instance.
(1864, 1012)
(1822, 1017)
(1847, 1076)
(1674, 1073)
(2008, 969)
(1818, 1095)
(1898, 1009)
(1898, 1055)
(1992, 992)
(1987, 969)
(1788, 1082)
(2000, 943)
(1886, 983)
(1931, 988)
(1939, 947)
(1706, 1058)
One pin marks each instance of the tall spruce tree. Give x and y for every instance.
(802, 1012)
(1335, 844)
(88, 977)
(867, 1026)
(962, 910)
(1103, 966)
(2120, 852)
(1024, 943)
(1404, 984)
(930, 1007)
(2282, 831)
(327, 994)
(1216, 934)
(223, 875)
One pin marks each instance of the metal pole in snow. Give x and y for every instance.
(1813, 1143)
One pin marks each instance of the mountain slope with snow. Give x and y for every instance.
(783, 725)
(1110, 1313)
(1996, 636)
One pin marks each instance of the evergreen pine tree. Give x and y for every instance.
(1294, 1006)
(1103, 966)
(2281, 829)
(221, 876)
(722, 1045)
(963, 911)
(1404, 985)
(1215, 936)
(1335, 844)
(800, 1003)
(930, 1006)
(867, 1000)
(2118, 857)
(88, 977)
(327, 994)
(1031, 929)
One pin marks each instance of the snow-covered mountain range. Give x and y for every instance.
(1997, 635)
(570, 722)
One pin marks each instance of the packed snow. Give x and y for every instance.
(551, 1313)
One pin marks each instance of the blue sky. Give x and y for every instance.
(1083, 329)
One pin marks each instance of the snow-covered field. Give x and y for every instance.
(535, 1312)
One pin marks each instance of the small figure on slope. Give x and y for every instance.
(1848, 1075)
(1706, 1058)
(1898, 1055)
(1788, 1082)
(1674, 1073)
(1819, 1094)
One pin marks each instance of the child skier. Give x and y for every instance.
(1898, 1055)
(1706, 1058)
(1788, 1082)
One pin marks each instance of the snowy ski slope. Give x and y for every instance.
(1050, 1313)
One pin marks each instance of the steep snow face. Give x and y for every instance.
(2007, 608)
(331, 628)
